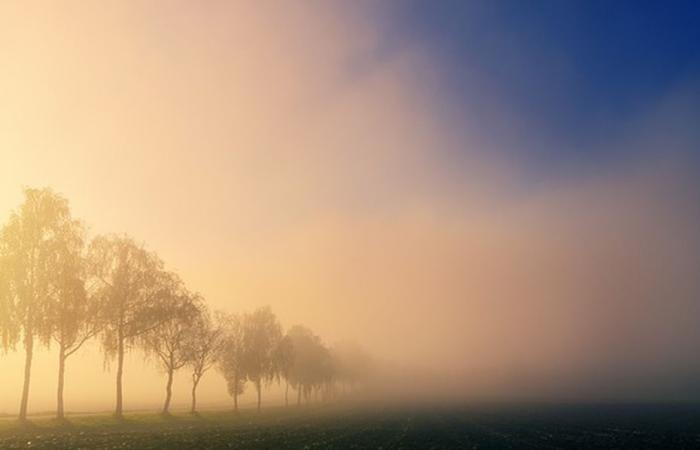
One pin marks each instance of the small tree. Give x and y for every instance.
(167, 342)
(29, 243)
(134, 291)
(231, 355)
(203, 347)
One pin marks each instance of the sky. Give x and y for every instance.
(568, 69)
(502, 193)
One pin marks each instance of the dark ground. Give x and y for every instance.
(473, 427)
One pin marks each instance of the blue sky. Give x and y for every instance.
(570, 74)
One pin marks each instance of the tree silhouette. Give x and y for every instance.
(262, 333)
(312, 364)
(167, 342)
(54, 290)
(203, 347)
(134, 291)
(231, 355)
(73, 316)
(29, 244)
(352, 365)
(284, 362)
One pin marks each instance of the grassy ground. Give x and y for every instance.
(482, 427)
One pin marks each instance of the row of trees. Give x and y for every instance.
(56, 288)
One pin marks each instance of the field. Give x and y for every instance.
(468, 427)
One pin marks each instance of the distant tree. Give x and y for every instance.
(235, 386)
(73, 315)
(303, 341)
(231, 355)
(323, 374)
(168, 341)
(284, 362)
(203, 347)
(352, 365)
(29, 243)
(134, 291)
(311, 361)
(262, 333)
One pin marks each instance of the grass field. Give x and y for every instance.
(344, 427)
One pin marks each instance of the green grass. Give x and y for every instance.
(351, 426)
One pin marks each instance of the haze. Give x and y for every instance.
(293, 154)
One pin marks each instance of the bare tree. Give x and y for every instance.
(28, 245)
(203, 347)
(134, 290)
(231, 355)
(262, 333)
(168, 341)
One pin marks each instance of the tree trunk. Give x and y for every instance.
(61, 371)
(118, 412)
(235, 394)
(299, 394)
(195, 382)
(168, 393)
(258, 387)
(29, 352)
(286, 394)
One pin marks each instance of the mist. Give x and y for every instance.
(289, 157)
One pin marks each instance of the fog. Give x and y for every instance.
(285, 157)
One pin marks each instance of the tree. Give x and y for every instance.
(352, 365)
(73, 314)
(320, 370)
(29, 243)
(262, 333)
(167, 342)
(134, 290)
(8, 324)
(284, 362)
(231, 355)
(311, 361)
(203, 347)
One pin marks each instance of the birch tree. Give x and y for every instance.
(8, 326)
(73, 315)
(168, 341)
(231, 356)
(133, 289)
(28, 245)
(284, 362)
(262, 333)
(203, 347)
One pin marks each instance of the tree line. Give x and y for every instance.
(58, 288)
